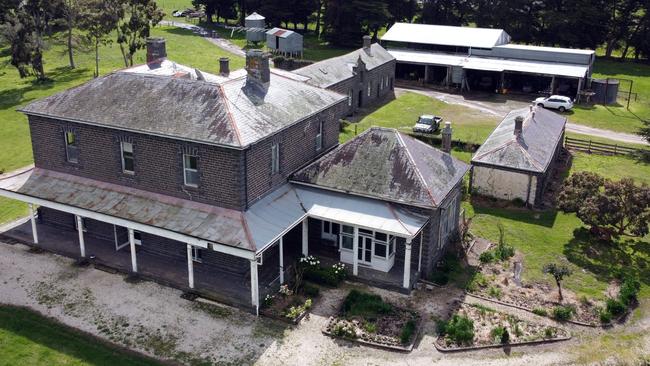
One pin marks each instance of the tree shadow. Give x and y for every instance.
(16, 96)
(507, 210)
(608, 260)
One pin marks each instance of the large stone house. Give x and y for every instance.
(216, 184)
(365, 75)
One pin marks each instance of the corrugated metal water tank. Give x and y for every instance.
(606, 91)
(255, 24)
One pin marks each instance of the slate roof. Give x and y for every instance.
(388, 165)
(231, 113)
(533, 150)
(336, 69)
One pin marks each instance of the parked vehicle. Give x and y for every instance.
(558, 102)
(181, 13)
(427, 123)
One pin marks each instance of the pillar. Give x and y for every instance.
(134, 260)
(579, 89)
(420, 254)
(255, 300)
(281, 245)
(80, 231)
(355, 252)
(407, 264)
(426, 74)
(552, 85)
(190, 267)
(305, 237)
(32, 216)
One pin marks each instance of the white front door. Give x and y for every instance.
(364, 254)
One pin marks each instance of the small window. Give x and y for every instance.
(128, 163)
(381, 237)
(191, 170)
(197, 254)
(319, 137)
(83, 224)
(275, 158)
(380, 249)
(350, 98)
(348, 229)
(347, 242)
(71, 148)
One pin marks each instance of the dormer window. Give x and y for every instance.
(71, 148)
(275, 158)
(128, 162)
(319, 137)
(191, 170)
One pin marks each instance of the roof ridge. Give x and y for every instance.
(417, 170)
(530, 158)
(231, 119)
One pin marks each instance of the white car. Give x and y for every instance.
(559, 102)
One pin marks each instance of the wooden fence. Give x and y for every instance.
(600, 147)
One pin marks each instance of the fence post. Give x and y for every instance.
(355, 130)
(615, 149)
(589, 148)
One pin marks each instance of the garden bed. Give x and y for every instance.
(476, 326)
(366, 318)
(290, 306)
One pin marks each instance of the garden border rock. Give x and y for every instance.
(531, 311)
(388, 347)
(517, 344)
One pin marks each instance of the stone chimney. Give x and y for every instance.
(156, 50)
(257, 67)
(446, 137)
(366, 43)
(224, 66)
(519, 125)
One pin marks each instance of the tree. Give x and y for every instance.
(134, 27)
(559, 272)
(71, 11)
(346, 21)
(446, 12)
(98, 19)
(623, 16)
(619, 206)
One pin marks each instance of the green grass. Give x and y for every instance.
(468, 124)
(612, 167)
(27, 338)
(182, 46)
(365, 305)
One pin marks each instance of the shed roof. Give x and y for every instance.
(255, 16)
(336, 69)
(388, 165)
(231, 112)
(547, 49)
(533, 150)
(282, 33)
(446, 35)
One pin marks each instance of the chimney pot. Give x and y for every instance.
(156, 49)
(366, 42)
(257, 67)
(446, 137)
(519, 125)
(224, 66)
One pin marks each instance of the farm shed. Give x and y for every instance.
(483, 59)
(516, 160)
(284, 41)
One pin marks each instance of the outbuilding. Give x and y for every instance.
(517, 159)
(285, 42)
(255, 28)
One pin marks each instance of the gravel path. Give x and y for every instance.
(501, 107)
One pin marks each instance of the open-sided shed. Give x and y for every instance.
(284, 41)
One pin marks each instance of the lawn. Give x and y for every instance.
(27, 338)
(182, 46)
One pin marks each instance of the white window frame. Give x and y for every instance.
(343, 234)
(275, 158)
(196, 255)
(71, 146)
(187, 169)
(135, 240)
(122, 151)
(319, 137)
(327, 230)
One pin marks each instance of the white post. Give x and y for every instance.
(281, 261)
(355, 252)
(134, 261)
(80, 230)
(33, 219)
(407, 264)
(420, 254)
(255, 300)
(305, 237)
(190, 266)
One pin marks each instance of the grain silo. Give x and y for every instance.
(255, 28)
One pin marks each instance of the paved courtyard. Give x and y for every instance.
(155, 319)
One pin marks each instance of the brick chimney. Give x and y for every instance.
(156, 50)
(257, 67)
(224, 66)
(446, 137)
(519, 125)
(367, 43)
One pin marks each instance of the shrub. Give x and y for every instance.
(268, 301)
(368, 306)
(486, 257)
(344, 330)
(295, 311)
(440, 278)
(517, 330)
(310, 290)
(540, 311)
(328, 276)
(441, 327)
(370, 327)
(495, 292)
(629, 291)
(460, 329)
(479, 280)
(562, 313)
(407, 332)
(605, 316)
(615, 307)
(497, 332)
(549, 332)
(505, 337)
(504, 252)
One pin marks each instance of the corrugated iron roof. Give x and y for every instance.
(336, 69)
(533, 150)
(255, 16)
(282, 33)
(228, 112)
(388, 165)
(446, 35)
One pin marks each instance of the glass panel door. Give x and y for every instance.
(364, 254)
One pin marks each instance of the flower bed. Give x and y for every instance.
(366, 318)
(475, 326)
(311, 270)
(288, 305)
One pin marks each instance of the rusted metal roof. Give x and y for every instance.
(532, 150)
(337, 69)
(386, 164)
(229, 112)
